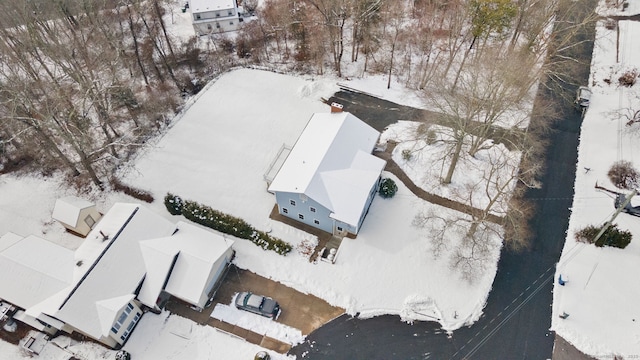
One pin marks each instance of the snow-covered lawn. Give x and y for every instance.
(216, 155)
(602, 289)
(170, 337)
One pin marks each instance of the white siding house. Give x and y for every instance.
(100, 291)
(213, 16)
(76, 214)
(330, 177)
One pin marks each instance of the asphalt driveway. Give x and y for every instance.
(299, 310)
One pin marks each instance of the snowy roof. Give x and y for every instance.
(198, 250)
(197, 6)
(158, 262)
(32, 269)
(111, 268)
(332, 164)
(67, 209)
(110, 308)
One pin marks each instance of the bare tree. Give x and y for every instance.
(334, 15)
(471, 114)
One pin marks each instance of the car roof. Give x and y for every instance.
(254, 300)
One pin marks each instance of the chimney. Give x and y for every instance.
(336, 108)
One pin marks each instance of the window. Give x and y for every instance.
(339, 228)
(208, 26)
(122, 318)
(312, 209)
(230, 22)
(230, 12)
(197, 16)
(217, 14)
(292, 202)
(285, 210)
(300, 216)
(316, 222)
(89, 221)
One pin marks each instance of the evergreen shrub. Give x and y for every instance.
(613, 236)
(388, 188)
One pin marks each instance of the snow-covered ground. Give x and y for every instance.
(217, 151)
(216, 154)
(602, 289)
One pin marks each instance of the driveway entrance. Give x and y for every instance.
(301, 311)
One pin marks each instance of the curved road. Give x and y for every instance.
(518, 312)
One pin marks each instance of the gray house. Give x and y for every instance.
(330, 177)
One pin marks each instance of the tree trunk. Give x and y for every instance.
(454, 161)
(136, 47)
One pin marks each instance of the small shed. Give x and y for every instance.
(76, 214)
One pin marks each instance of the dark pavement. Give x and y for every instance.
(517, 316)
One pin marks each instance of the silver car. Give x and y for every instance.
(258, 304)
(583, 96)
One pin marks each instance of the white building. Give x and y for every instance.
(126, 262)
(213, 16)
(76, 214)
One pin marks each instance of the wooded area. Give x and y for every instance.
(85, 83)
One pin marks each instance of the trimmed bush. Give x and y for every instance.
(225, 223)
(131, 191)
(173, 203)
(388, 188)
(613, 236)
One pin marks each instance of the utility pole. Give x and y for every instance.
(615, 214)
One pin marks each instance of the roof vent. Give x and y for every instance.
(336, 108)
(105, 237)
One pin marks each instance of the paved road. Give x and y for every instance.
(518, 312)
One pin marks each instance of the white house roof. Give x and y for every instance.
(198, 6)
(32, 269)
(158, 261)
(332, 164)
(67, 209)
(198, 250)
(118, 267)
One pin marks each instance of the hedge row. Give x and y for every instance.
(225, 223)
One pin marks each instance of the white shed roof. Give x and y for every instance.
(115, 266)
(198, 6)
(67, 209)
(32, 269)
(332, 164)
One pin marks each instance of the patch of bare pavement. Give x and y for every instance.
(563, 350)
(301, 311)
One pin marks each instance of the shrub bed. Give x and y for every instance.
(214, 219)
